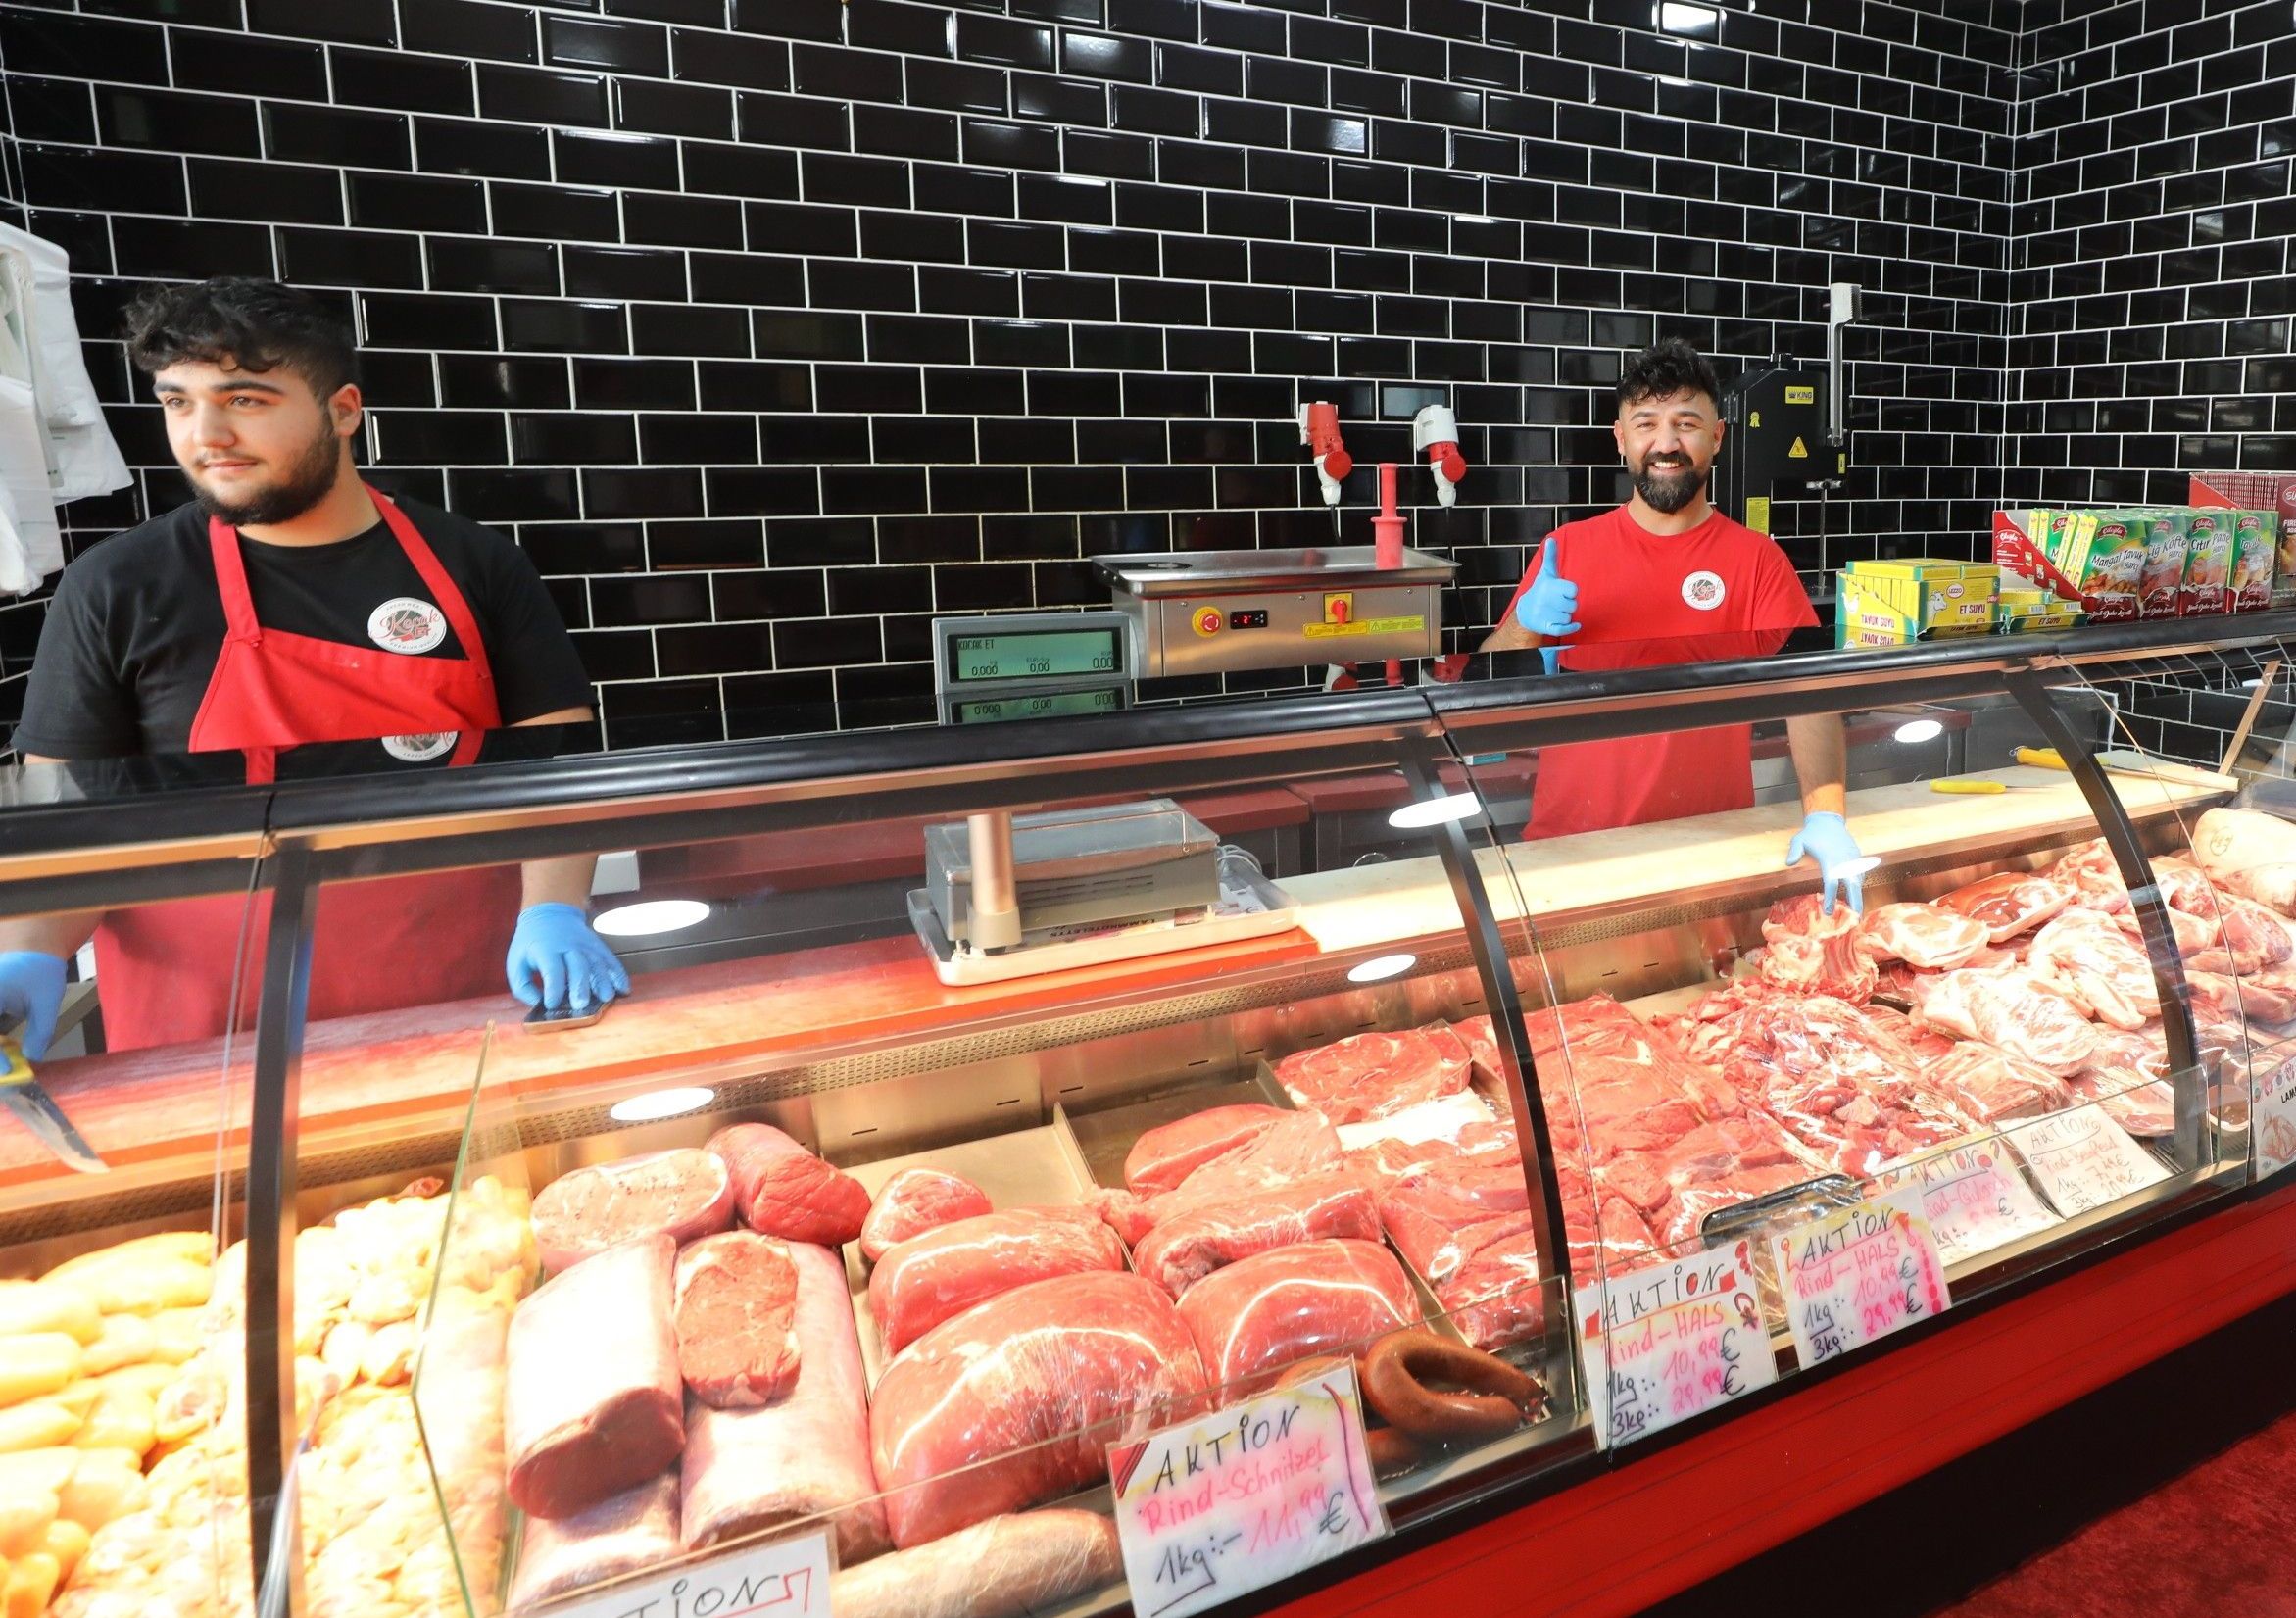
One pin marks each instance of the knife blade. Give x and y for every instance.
(29, 1100)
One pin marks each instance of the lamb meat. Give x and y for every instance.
(1989, 1086)
(2193, 934)
(2250, 938)
(2022, 1011)
(1923, 936)
(2249, 852)
(2129, 1078)
(622, 1534)
(735, 1299)
(1812, 953)
(2267, 996)
(927, 1279)
(1275, 1308)
(1368, 1076)
(2184, 886)
(781, 1188)
(2094, 875)
(683, 1194)
(1164, 1157)
(1183, 1251)
(2108, 974)
(1299, 1146)
(915, 1201)
(2010, 903)
(960, 1420)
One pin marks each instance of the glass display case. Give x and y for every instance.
(988, 1098)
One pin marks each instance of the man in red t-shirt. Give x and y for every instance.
(1666, 578)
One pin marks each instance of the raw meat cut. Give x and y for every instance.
(593, 1403)
(2250, 938)
(1184, 1250)
(945, 1272)
(2128, 1076)
(1923, 936)
(1424, 1214)
(912, 1202)
(1163, 1157)
(1371, 1075)
(1924, 1043)
(2108, 974)
(1297, 1147)
(1008, 1567)
(1498, 1299)
(2193, 934)
(1714, 1167)
(2010, 903)
(1811, 953)
(780, 1189)
(1482, 1043)
(2022, 1011)
(1286, 1304)
(2186, 887)
(735, 1304)
(2267, 997)
(960, 1420)
(1387, 1162)
(802, 1456)
(1990, 1086)
(2251, 853)
(684, 1194)
(2092, 873)
(621, 1535)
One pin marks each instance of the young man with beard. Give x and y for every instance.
(1666, 578)
(291, 604)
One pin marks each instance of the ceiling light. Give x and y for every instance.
(1690, 22)
(1380, 967)
(1920, 730)
(652, 915)
(661, 1104)
(1436, 812)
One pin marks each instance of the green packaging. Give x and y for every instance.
(2168, 540)
(2255, 540)
(2207, 561)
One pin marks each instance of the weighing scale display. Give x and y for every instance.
(1049, 704)
(1034, 655)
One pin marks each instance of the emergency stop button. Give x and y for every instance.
(1208, 620)
(1340, 607)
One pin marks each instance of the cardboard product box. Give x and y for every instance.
(2104, 559)
(2207, 561)
(2273, 493)
(1914, 598)
(2023, 610)
(2160, 590)
(2255, 542)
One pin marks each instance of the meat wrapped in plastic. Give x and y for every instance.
(1987, 1085)
(2249, 852)
(1275, 1308)
(1183, 1251)
(1299, 1146)
(915, 1201)
(2128, 1077)
(2025, 1011)
(2010, 903)
(682, 1193)
(1371, 1075)
(960, 1420)
(1007, 1567)
(1164, 1157)
(624, 1534)
(945, 1272)
(805, 1455)
(1497, 1300)
(781, 1188)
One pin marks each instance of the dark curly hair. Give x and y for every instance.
(1668, 366)
(258, 326)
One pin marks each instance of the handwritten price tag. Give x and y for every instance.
(2084, 1159)
(1670, 1341)
(1214, 1508)
(1858, 1275)
(786, 1579)
(2274, 1115)
(1973, 1195)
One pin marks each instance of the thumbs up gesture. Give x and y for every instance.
(1549, 608)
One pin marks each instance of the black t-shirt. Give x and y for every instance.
(132, 636)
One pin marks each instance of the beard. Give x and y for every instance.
(1668, 491)
(307, 481)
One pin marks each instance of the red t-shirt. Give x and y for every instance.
(1721, 590)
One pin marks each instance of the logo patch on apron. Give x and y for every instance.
(1703, 590)
(416, 750)
(405, 624)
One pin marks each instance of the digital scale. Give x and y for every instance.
(1031, 666)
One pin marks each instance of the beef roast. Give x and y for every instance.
(927, 1279)
(1287, 1303)
(682, 1193)
(915, 1201)
(781, 1188)
(1163, 1157)
(735, 1303)
(1183, 1251)
(1368, 1076)
(625, 1534)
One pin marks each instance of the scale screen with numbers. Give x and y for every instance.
(1031, 665)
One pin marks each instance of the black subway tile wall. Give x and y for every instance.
(770, 327)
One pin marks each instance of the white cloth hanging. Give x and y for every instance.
(87, 460)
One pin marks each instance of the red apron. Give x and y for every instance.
(164, 971)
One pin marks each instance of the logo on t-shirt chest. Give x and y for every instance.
(407, 625)
(1703, 590)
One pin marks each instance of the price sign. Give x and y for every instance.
(2275, 1114)
(786, 1579)
(1214, 1508)
(1973, 1195)
(1670, 1341)
(2084, 1159)
(1858, 1275)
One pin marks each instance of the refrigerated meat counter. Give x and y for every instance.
(800, 1250)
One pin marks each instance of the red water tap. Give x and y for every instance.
(1319, 430)
(1437, 431)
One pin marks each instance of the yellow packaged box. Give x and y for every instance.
(1914, 598)
(2023, 610)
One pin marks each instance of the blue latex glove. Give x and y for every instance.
(1549, 606)
(31, 990)
(556, 960)
(1825, 837)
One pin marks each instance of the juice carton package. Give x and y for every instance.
(2104, 559)
(2161, 586)
(2207, 561)
(2271, 493)
(2255, 541)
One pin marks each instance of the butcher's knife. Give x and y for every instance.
(34, 1108)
